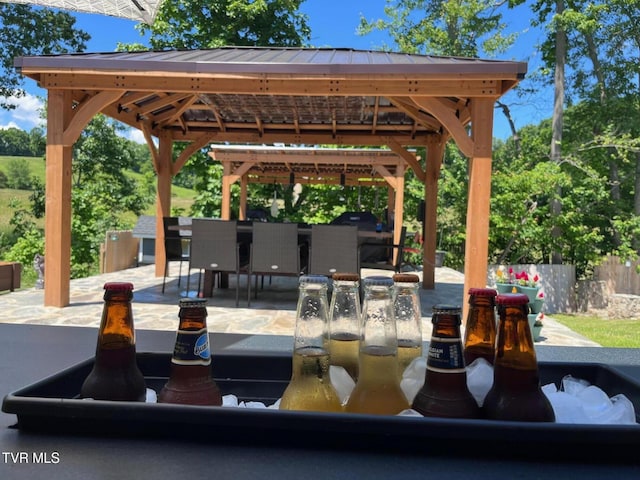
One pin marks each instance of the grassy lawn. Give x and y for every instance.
(606, 332)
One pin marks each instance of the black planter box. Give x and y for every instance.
(51, 405)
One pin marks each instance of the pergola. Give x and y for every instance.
(266, 96)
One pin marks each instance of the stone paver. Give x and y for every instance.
(273, 312)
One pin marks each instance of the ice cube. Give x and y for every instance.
(229, 400)
(341, 381)
(413, 377)
(566, 407)
(151, 396)
(594, 401)
(479, 379)
(620, 412)
(573, 385)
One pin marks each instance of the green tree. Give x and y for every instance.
(444, 27)
(18, 174)
(216, 23)
(14, 142)
(26, 30)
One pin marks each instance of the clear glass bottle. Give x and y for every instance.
(408, 315)
(516, 394)
(445, 392)
(344, 322)
(115, 374)
(377, 390)
(190, 381)
(480, 329)
(310, 386)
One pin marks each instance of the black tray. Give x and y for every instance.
(51, 405)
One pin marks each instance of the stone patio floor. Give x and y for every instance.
(273, 312)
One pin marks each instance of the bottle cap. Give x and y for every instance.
(446, 309)
(317, 279)
(406, 278)
(192, 302)
(482, 292)
(346, 277)
(378, 281)
(118, 286)
(512, 299)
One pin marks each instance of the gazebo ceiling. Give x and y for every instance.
(285, 95)
(305, 165)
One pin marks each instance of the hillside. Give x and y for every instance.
(182, 197)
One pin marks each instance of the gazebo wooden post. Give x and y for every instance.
(163, 196)
(225, 208)
(398, 209)
(242, 213)
(478, 204)
(435, 153)
(57, 237)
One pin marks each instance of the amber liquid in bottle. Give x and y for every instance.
(480, 330)
(310, 387)
(190, 380)
(115, 374)
(344, 322)
(377, 390)
(344, 347)
(408, 317)
(445, 392)
(516, 394)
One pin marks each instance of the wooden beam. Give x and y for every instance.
(163, 198)
(408, 157)
(478, 205)
(265, 84)
(192, 148)
(86, 111)
(449, 121)
(435, 154)
(57, 228)
(155, 156)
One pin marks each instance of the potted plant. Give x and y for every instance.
(536, 305)
(504, 280)
(537, 327)
(529, 285)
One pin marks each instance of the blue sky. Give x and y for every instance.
(333, 24)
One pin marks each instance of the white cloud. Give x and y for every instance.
(26, 115)
(135, 135)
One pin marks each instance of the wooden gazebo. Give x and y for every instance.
(263, 96)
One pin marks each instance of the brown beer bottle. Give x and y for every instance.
(115, 374)
(310, 387)
(516, 394)
(480, 330)
(377, 390)
(445, 392)
(190, 381)
(408, 314)
(344, 322)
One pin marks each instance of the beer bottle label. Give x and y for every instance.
(445, 355)
(192, 348)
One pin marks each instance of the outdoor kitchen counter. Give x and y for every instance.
(29, 353)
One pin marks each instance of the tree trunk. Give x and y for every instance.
(556, 127)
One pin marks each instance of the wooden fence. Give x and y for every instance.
(119, 251)
(558, 284)
(619, 276)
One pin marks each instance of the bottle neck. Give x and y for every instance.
(514, 344)
(312, 317)
(116, 326)
(378, 326)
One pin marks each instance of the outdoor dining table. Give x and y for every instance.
(29, 353)
(304, 232)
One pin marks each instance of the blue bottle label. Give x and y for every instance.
(192, 348)
(445, 355)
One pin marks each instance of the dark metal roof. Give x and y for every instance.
(275, 60)
(252, 95)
